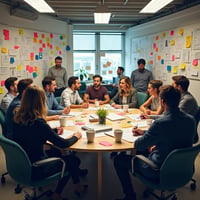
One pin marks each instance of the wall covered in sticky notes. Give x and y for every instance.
(27, 53)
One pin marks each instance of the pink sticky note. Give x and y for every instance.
(80, 123)
(51, 35)
(172, 32)
(105, 143)
(51, 46)
(154, 45)
(16, 47)
(43, 45)
(151, 53)
(195, 62)
(30, 69)
(35, 35)
(27, 67)
(60, 52)
(157, 37)
(40, 49)
(173, 57)
(151, 61)
(2, 83)
(121, 113)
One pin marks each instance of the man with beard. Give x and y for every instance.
(70, 96)
(96, 92)
(141, 77)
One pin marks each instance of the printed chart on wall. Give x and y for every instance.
(173, 52)
(27, 53)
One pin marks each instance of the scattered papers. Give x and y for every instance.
(135, 117)
(54, 124)
(115, 117)
(140, 124)
(66, 134)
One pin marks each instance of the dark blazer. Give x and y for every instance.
(131, 99)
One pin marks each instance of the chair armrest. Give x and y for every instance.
(147, 161)
(49, 160)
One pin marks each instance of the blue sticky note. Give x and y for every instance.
(12, 60)
(36, 57)
(40, 55)
(34, 74)
(169, 68)
(162, 61)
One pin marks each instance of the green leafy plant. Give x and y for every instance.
(101, 112)
(81, 72)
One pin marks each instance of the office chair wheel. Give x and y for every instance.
(3, 180)
(18, 189)
(193, 186)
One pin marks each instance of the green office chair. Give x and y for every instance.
(141, 97)
(20, 168)
(176, 171)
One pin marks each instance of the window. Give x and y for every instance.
(98, 53)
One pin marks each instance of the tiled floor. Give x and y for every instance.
(111, 187)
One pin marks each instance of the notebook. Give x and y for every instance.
(115, 117)
(97, 127)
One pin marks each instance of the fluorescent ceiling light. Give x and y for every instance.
(102, 15)
(40, 5)
(154, 5)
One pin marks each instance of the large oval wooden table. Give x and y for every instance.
(83, 146)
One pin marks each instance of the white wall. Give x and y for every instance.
(42, 24)
(186, 18)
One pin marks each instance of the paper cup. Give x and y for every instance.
(63, 121)
(125, 108)
(90, 135)
(97, 103)
(118, 135)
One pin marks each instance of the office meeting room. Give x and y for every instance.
(99, 100)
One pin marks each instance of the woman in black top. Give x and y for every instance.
(31, 131)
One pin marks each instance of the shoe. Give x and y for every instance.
(83, 172)
(128, 197)
(80, 190)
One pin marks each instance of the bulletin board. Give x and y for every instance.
(169, 53)
(26, 53)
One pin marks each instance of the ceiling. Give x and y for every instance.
(125, 13)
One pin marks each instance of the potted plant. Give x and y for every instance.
(102, 113)
(81, 72)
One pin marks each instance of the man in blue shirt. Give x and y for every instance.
(22, 85)
(174, 130)
(49, 85)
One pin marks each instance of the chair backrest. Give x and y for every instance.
(178, 167)
(58, 99)
(2, 121)
(17, 162)
(141, 97)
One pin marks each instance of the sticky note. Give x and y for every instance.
(40, 41)
(48, 39)
(12, 60)
(42, 35)
(1, 90)
(4, 50)
(16, 47)
(195, 62)
(163, 34)
(169, 68)
(151, 53)
(34, 40)
(35, 35)
(19, 67)
(35, 68)
(157, 37)
(188, 41)
(51, 35)
(105, 143)
(64, 36)
(162, 61)
(34, 74)
(174, 70)
(181, 31)
(183, 66)
(157, 49)
(36, 57)
(154, 45)
(3, 83)
(40, 55)
(21, 31)
(57, 48)
(60, 52)
(173, 57)
(172, 32)
(51, 46)
(27, 67)
(172, 42)
(159, 57)
(43, 45)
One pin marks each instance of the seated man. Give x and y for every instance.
(187, 104)
(164, 133)
(49, 85)
(14, 105)
(70, 96)
(96, 92)
(11, 86)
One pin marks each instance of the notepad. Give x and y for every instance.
(97, 127)
(115, 117)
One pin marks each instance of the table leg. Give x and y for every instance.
(99, 176)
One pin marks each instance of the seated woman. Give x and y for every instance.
(153, 101)
(126, 94)
(31, 131)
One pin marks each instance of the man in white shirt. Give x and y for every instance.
(70, 96)
(11, 86)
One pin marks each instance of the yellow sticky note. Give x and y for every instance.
(163, 34)
(174, 70)
(57, 48)
(48, 39)
(4, 50)
(183, 66)
(1, 90)
(188, 41)
(64, 43)
(126, 125)
(181, 31)
(172, 42)
(21, 31)
(19, 67)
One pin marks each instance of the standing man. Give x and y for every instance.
(96, 92)
(60, 75)
(163, 134)
(187, 104)
(70, 96)
(14, 105)
(49, 85)
(120, 71)
(11, 86)
(141, 77)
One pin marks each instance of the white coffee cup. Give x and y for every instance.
(125, 108)
(118, 135)
(63, 121)
(149, 122)
(97, 103)
(90, 135)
